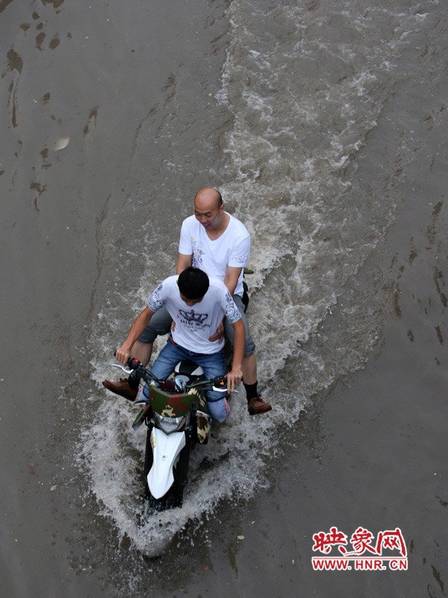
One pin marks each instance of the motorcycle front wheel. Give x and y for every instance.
(174, 497)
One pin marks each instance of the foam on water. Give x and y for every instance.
(304, 101)
(305, 85)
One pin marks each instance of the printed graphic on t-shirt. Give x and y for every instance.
(192, 319)
(232, 311)
(155, 302)
(241, 260)
(198, 256)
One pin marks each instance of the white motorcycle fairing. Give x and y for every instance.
(165, 450)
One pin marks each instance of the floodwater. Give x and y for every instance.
(324, 126)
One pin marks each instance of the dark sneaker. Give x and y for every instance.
(122, 388)
(256, 405)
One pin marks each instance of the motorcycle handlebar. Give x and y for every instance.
(133, 364)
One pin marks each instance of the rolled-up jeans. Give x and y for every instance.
(213, 365)
(160, 324)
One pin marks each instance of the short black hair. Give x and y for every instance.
(193, 283)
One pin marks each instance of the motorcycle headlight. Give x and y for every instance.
(169, 424)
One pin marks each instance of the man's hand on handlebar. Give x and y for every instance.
(234, 377)
(123, 354)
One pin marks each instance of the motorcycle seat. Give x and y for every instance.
(188, 368)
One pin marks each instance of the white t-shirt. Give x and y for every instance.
(232, 248)
(195, 323)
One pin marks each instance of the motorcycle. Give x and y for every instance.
(176, 415)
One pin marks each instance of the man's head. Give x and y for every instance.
(209, 208)
(193, 285)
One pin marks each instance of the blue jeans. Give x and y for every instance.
(213, 365)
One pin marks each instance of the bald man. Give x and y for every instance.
(219, 244)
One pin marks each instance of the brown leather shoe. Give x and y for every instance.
(256, 405)
(122, 388)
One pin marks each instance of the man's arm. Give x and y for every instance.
(238, 259)
(137, 327)
(183, 262)
(231, 278)
(235, 375)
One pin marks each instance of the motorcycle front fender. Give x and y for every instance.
(165, 450)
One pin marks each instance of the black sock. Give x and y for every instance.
(251, 390)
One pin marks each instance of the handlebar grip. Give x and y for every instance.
(220, 381)
(133, 363)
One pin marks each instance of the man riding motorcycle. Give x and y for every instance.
(196, 305)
